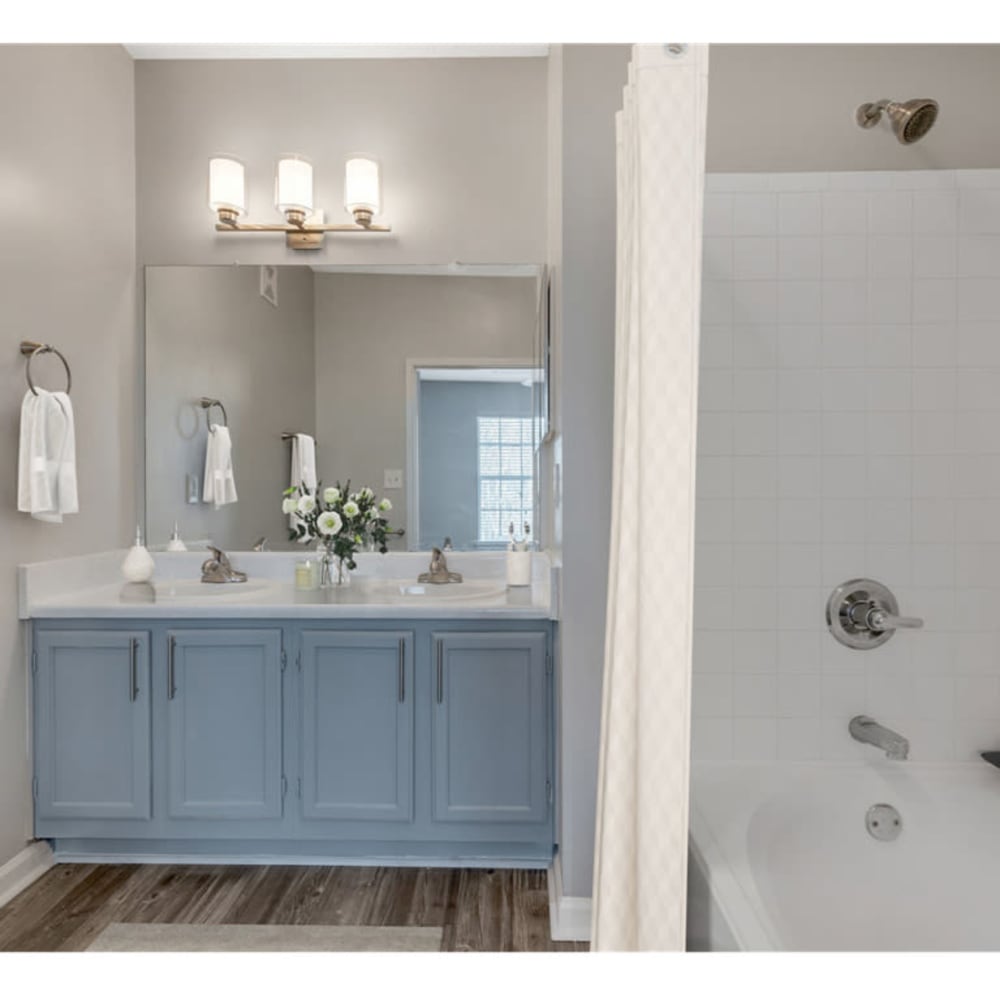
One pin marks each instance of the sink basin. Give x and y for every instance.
(183, 590)
(469, 591)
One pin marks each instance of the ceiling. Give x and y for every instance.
(211, 50)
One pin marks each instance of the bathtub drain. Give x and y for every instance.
(883, 822)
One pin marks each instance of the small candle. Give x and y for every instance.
(303, 576)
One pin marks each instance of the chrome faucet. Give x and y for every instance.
(866, 730)
(218, 569)
(439, 572)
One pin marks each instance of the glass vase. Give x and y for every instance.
(332, 569)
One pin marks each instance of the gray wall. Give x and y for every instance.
(449, 454)
(209, 333)
(461, 143)
(67, 119)
(592, 80)
(367, 326)
(791, 107)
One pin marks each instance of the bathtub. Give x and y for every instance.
(780, 857)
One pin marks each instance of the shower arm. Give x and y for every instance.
(870, 114)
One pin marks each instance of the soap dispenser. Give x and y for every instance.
(176, 544)
(138, 565)
(518, 559)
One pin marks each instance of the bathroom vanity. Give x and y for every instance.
(274, 724)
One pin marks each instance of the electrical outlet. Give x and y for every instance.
(393, 479)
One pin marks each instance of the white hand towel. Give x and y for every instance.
(303, 468)
(219, 486)
(46, 483)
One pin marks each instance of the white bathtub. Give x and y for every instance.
(781, 858)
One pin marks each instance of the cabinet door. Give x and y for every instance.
(490, 727)
(92, 724)
(357, 725)
(224, 723)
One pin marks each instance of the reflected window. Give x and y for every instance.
(506, 480)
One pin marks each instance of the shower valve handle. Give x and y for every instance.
(880, 620)
(863, 614)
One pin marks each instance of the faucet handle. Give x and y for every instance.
(880, 620)
(219, 556)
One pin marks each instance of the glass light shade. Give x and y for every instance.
(293, 185)
(361, 186)
(226, 185)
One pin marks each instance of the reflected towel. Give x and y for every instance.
(219, 486)
(46, 474)
(303, 470)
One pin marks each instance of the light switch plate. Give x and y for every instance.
(393, 479)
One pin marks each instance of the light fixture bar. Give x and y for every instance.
(293, 197)
(304, 237)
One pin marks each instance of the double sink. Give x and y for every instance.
(361, 590)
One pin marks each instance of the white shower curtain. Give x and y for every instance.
(640, 865)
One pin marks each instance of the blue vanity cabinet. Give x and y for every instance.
(224, 723)
(426, 740)
(92, 725)
(490, 727)
(357, 704)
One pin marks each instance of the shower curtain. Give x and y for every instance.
(640, 866)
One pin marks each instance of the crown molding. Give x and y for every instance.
(210, 50)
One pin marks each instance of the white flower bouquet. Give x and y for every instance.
(341, 522)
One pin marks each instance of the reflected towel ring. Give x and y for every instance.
(207, 404)
(31, 350)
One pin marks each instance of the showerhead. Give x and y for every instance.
(911, 120)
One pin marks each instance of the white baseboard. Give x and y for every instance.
(569, 916)
(22, 869)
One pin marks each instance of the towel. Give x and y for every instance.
(220, 486)
(303, 468)
(46, 473)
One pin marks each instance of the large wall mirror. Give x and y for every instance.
(426, 384)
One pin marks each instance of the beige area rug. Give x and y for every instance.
(264, 937)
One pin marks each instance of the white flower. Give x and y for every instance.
(385, 505)
(329, 523)
(306, 504)
(351, 508)
(331, 495)
(366, 493)
(289, 505)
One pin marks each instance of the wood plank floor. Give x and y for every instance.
(479, 910)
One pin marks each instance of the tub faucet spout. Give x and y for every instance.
(866, 730)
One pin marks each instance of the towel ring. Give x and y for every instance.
(207, 404)
(31, 350)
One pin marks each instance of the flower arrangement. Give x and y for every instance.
(340, 521)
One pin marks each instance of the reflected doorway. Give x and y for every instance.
(473, 454)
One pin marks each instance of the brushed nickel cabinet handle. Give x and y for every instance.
(402, 670)
(171, 686)
(440, 671)
(133, 679)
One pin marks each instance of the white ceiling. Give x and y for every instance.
(211, 50)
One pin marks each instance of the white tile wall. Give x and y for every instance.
(849, 426)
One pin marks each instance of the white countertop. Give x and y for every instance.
(382, 587)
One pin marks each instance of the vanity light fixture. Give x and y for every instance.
(293, 197)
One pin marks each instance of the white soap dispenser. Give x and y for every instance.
(518, 560)
(176, 544)
(138, 565)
